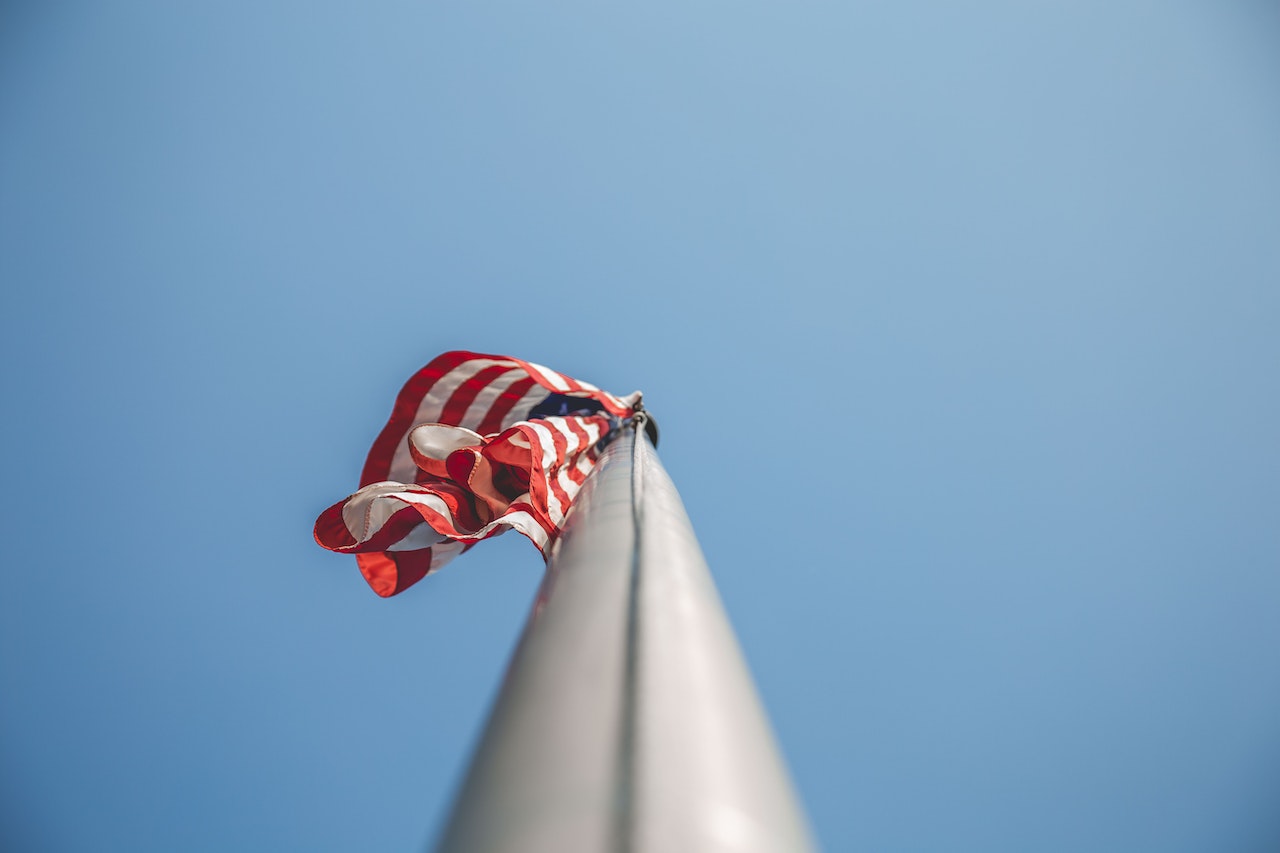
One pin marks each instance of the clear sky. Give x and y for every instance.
(962, 322)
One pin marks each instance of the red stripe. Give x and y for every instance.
(503, 405)
(462, 506)
(553, 480)
(466, 393)
(335, 536)
(401, 523)
(537, 475)
(331, 531)
(392, 571)
(584, 446)
(461, 518)
(540, 517)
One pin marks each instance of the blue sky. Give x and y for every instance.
(961, 325)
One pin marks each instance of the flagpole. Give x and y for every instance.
(627, 721)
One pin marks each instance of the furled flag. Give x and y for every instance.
(476, 444)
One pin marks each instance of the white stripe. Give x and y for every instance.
(437, 441)
(441, 554)
(520, 410)
(526, 524)
(554, 510)
(545, 442)
(584, 463)
(570, 487)
(422, 536)
(586, 459)
(489, 395)
(367, 510)
(554, 379)
(431, 501)
(402, 467)
(561, 425)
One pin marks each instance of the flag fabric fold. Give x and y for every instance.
(476, 445)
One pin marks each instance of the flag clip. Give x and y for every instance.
(642, 418)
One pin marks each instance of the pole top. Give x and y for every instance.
(645, 418)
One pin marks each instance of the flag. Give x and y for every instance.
(476, 444)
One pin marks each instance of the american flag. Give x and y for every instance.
(476, 444)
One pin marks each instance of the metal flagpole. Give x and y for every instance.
(627, 721)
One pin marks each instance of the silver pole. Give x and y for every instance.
(627, 721)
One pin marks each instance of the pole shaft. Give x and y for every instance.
(627, 721)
